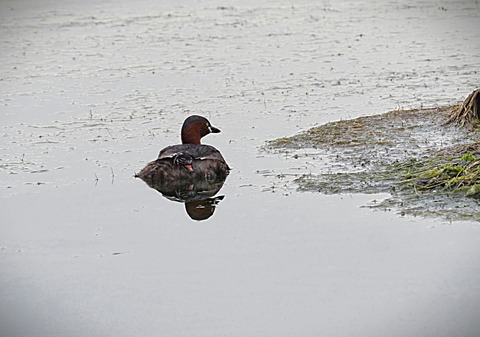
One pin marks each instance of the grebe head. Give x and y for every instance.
(194, 128)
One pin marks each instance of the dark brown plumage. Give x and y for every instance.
(190, 160)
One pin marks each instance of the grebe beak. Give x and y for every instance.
(213, 129)
(188, 167)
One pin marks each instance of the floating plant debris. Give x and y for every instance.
(427, 165)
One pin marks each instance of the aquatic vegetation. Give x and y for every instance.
(426, 166)
(458, 174)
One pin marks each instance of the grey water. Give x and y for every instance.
(91, 91)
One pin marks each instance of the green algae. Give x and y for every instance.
(455, 175)
(427, 168)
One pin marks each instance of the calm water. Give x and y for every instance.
(92, 91)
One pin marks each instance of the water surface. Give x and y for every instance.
(92, 91)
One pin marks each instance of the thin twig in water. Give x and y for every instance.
(113, 175)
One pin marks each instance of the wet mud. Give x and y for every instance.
(394, 153)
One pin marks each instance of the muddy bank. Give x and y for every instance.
(428, 168)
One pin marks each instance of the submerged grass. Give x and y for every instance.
(428, 169)
(457, 174)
